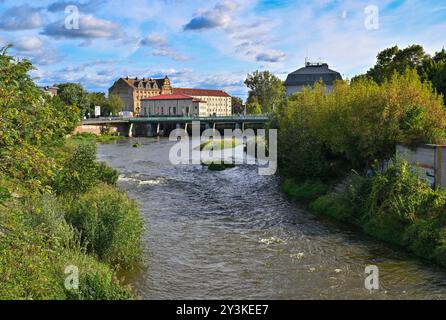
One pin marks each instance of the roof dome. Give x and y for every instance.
(311, 74)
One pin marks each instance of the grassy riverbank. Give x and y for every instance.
(65, 228)
(330, 146)
(394, 206)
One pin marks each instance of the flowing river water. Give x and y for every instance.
(234, 235)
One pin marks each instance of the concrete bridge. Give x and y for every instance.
(154, 126)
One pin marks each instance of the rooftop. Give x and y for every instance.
(169, 97)
(201, 92)
(311, 73)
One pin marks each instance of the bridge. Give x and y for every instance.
(153, 126)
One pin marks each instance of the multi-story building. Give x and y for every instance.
(219, 103)
(173, 105)
(132, 90)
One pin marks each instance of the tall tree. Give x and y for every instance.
(267, 88)
(397, 60)
(237, 105)
(114, 104)
(75, 94)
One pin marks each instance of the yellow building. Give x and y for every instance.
(132, 90)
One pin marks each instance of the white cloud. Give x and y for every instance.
(22, 17)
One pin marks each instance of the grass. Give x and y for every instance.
(306, 191)
(220, 144)
(81, 220)
(394, 206)
(90, 137)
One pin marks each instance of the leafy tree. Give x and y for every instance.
(267, 88)
(75, 94)
(114, 104)
(30, 122)
(326, 134)
(254, 107)
(237, 105)
(398, 60)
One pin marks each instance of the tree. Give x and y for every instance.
(254, 107)
(114, 104)
(267, 88)
(237, 105)
(30, 123)
(322, 135)
(397, 60)
(75, 94)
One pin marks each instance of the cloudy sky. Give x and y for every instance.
(210, 44)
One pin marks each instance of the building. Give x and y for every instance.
(173, 105)
(219, 103)
(309, 75)
(132, 90)
(52, 91)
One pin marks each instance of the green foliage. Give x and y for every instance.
(266, 88)
(334, 206)
(36, 242)
(74, 94)
(79, 172)
(109, 225)
(394, 206)
(326, 134)
(305, 192)
(254, 107)
(396, 60)
(106, 174)
(114, 105)
(30, 123)
(36, 248)
(237, 105)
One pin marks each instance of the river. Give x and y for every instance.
(234, 235)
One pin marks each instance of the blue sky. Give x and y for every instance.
(210, 44)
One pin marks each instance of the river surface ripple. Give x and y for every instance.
(234, 235)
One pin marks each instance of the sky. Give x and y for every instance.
(210, 44)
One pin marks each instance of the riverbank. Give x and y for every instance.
(70, 240)
(393, 206)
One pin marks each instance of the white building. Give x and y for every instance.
(219, 103)
(174, 105)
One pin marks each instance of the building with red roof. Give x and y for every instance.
(173, 105)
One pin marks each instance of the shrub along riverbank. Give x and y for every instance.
(60, 210)
(332, 147)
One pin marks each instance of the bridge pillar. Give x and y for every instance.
(150, 132)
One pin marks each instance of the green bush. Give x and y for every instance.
(306, 192)
(96, 281)
(107, 174)
(80, 171)
(109, 225)
(333, 206)
(323, 135)
(36, 244)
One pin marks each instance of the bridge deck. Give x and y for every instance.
(230, 119)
